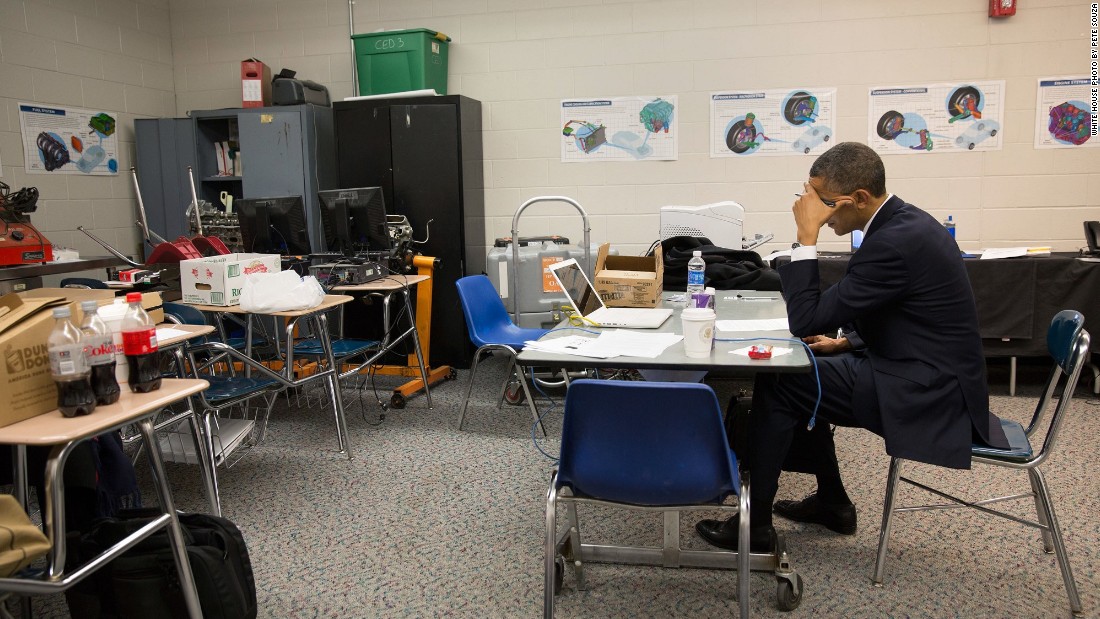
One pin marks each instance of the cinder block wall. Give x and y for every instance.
(520, 57)
(114, 55)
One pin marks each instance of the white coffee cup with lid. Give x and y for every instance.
(698, 326)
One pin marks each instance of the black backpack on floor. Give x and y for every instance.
(143, 582)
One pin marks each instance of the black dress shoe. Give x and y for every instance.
(724, 534)
(839, 518)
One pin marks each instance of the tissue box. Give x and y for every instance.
(217, 280)
(630, 281)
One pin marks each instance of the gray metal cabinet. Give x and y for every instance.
(284, 151)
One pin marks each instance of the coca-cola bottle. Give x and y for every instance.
(69, 366)
(99, 345)
(139, 343)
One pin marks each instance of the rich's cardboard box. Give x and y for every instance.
(25, 380)
(630, 281)
(217, 280)
(255, 83)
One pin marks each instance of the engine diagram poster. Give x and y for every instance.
(787, 121)
(1062, 117)
(619, 129)
(936, 118)
(59, 140)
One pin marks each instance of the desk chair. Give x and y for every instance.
(645, 446)
(83, 282)
(1068, 344)
(490, 329)
(221, 435)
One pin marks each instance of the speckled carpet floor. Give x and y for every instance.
(427, 521)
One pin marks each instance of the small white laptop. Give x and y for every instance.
(586, 301)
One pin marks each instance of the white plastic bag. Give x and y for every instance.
(280, 292)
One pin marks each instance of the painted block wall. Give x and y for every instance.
(114, 55)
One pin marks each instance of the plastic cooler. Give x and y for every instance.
(400, 60)
(539, 295)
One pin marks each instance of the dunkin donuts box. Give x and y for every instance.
(25, 380)
(218, 280)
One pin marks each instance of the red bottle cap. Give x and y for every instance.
(131, 297)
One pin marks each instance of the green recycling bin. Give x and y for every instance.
(400, 60)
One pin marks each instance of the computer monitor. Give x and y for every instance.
(273, 225)
(354, 220)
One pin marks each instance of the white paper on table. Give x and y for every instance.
(578, 345)
(164, 333)
(762, 324)
(634, 344)
(1003, 252)
(777, 351)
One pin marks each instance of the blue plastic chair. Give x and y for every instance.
(491, 328)
(83, 282)
(642, 445)
(1068, 345)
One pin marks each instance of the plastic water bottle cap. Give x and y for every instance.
(697, 253)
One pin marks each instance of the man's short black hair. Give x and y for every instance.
(849, 166)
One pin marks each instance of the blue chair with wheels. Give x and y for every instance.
(1068, 345)
(490, 329)
(649, 446)
(83, 282)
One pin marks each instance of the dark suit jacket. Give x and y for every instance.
(907, 293)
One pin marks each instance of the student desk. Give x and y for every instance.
(316, 318)
(419, 328)
(63, 434)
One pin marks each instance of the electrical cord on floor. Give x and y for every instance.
(809, 353)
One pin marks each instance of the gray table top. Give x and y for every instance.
(53, 268)
(727, 307)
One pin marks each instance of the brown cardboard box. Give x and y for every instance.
(151, 301)
(255, 83)
(630, 281)
(25, 374)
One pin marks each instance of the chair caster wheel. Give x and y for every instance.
(513, 394)
(788, 593)
(397, 401)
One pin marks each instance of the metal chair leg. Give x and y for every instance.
(510, 372)
(1048, 542)
(530, 400)
(744, 550)
(1059, 545)
(887, 519)
(574, 524)
(550, 551)
(469, 388)
(206, 462)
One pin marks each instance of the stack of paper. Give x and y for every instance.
(620, 342)
(763, 324)
(1014, 252)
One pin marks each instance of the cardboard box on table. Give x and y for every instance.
(629, 281)
(28, 389)
(217, 280)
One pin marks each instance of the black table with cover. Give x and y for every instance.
(1016, 297)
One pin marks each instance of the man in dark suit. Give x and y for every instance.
(909, 366)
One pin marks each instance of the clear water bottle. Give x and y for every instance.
(139, 342)
(69, 366)
(696, 274)
(99, 345)
(949, 223)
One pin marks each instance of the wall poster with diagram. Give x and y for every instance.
(62, 140)
(936, 118)
(1062, 113)
(619, 129)
(787, 121)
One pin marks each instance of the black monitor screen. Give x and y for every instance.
(273, 225)
(354, 220)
